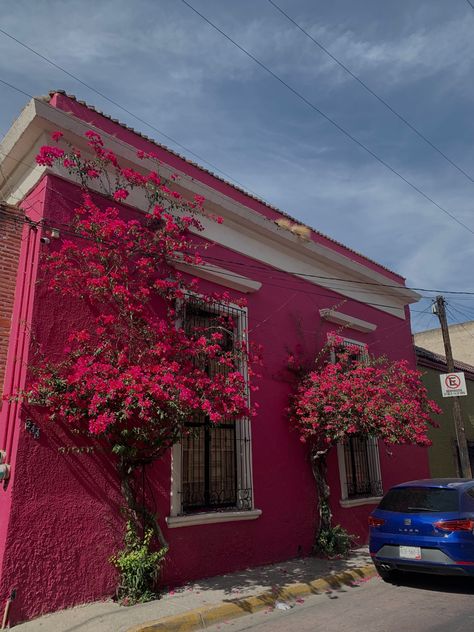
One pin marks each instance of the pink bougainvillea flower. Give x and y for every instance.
(48, 155)
(131, 375)
(120, 194)
(94, 136)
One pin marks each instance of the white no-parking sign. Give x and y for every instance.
(453, 384)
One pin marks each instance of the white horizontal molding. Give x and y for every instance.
(212, 517)
(219, 275)
(350, 322)
(356, 502)
(244, 230)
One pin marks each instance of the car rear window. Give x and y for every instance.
(414, 499)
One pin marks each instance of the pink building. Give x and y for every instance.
(60, 510)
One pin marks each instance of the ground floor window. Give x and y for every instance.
(358, 456)
(215, 466)
(361, 468)
(212, 468)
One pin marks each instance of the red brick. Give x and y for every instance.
(10, 242)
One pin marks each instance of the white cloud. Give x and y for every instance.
(376, 214)
(419, 53)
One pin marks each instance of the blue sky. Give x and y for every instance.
(162, 62)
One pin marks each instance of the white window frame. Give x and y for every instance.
(374, 463)
(243, 439)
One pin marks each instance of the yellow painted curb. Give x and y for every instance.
(206, 616)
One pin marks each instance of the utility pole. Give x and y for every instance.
(440, 311)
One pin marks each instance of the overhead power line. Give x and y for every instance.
(464, 314)
(125, 145)
(231, 178)
(372, 92)
(68, 229)
(470, 4)
(328, 118)
(460, 293)
(118, 105)
(223, 197)
(299, 290)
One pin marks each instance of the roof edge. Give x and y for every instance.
(48, 98)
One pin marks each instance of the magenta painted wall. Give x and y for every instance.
(15, 373)
(60, 515)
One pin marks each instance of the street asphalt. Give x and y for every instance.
(411, 604)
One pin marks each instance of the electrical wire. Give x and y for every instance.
(329, 119)
(215, 192)
(370, 91)
(388, 331)
(309, 292)
(466, 311)
(66, 228)
(116, 104)
(384, 163)
(263, 268)
(125, 145)
(220, 259)
(270, 276)
(426, 311)
(463, 314)
(305, 275)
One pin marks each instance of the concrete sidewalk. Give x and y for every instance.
(205, 602)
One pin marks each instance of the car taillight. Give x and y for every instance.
(455, 525)
(375, 522)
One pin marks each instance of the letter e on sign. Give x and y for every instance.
(453, 384)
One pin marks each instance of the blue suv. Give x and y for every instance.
(425, 526)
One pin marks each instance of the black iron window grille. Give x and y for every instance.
(216, 471)
(358, 350)
(361, 460)
(361, 454)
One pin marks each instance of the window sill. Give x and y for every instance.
(355, 502)
(212, 517)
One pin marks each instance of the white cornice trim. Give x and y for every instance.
(345, 320)
(243, 231)
(224, 277)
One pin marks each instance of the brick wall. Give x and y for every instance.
(11, 226)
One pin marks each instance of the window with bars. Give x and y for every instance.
(359, 464)
(215, 457)
(362, 469)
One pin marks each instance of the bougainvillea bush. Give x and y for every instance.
(137, 373)
(349, 393)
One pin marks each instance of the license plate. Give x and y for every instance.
(410, 552)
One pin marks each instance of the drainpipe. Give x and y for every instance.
(20, 336)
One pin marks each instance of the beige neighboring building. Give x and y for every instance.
(462, 341)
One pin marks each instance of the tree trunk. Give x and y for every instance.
(319, 467)
(139, 514)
